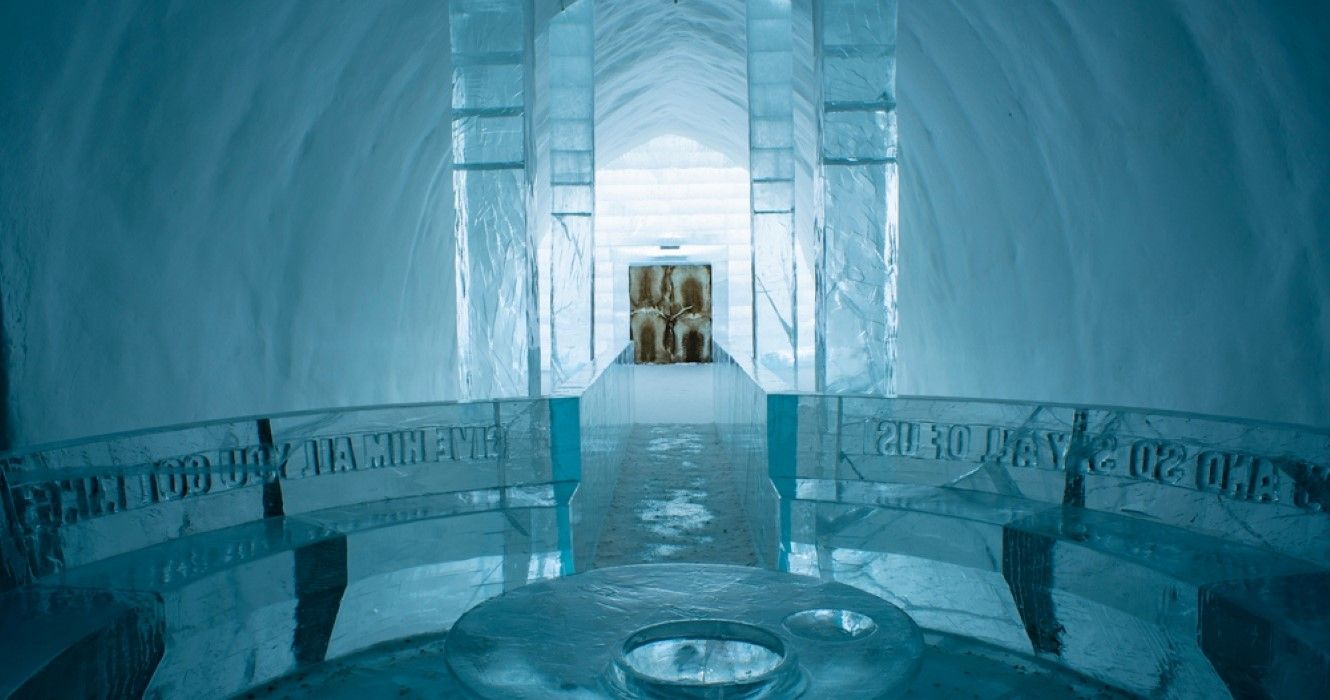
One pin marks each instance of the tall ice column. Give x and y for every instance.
(771, 169)
(572, 168)
(497, 330)
(857, 236)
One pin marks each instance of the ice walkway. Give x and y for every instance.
(677, 501)
(1038, 545)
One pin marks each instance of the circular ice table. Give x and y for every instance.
(685, 630)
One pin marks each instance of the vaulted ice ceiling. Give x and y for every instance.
(212, 209)
(671, 68)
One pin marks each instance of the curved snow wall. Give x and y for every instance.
(1117, 202)
(212, 210)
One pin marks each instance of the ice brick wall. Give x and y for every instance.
(857, 234)
(570, 55)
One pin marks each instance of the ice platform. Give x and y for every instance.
(685, 631)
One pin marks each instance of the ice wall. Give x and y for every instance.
(210, 209)
(493, 56)
(1117, 202)
(213, 209)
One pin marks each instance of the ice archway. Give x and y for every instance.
(219, 209)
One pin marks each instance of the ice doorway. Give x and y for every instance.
(673, 202)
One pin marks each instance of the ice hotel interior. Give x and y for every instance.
(639, 349)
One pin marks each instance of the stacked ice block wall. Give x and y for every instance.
(1170, 555)
(850, 201)
(496, 270)
(569, 125)
(771, 166)
(857, 233)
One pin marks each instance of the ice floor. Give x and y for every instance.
(677, 500)
(952, 668)
(673, 394)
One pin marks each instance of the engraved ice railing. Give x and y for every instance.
(1163, 553)
(313, 534)
(76, 503)
(1263, 484)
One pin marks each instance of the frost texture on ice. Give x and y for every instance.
(857, 238)
(496, 265)
(771, 167)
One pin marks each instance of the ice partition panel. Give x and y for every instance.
(497, 326)
(771, 165)
(344, 457)
(1261, 484)
(72, 504)
(1109, 538)
(571, 139)
(741, 420)
(605, 420)
(858, 208)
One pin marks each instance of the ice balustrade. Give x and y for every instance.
(1162, 553)
(201, 560)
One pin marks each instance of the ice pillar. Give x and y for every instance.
(857, 233)
(572, 168)
(497, 331)
(771, 169)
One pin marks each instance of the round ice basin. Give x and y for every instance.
(830, 625)
(702, 658)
